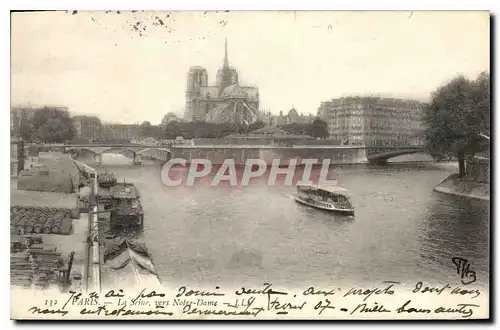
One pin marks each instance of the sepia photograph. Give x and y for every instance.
(250, 165)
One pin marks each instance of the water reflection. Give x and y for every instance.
(456, 227)
(328, 218)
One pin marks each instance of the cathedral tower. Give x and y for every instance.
(196, 79)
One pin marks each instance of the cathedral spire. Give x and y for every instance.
(226, 62)
(226, 75)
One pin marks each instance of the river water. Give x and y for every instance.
(402, 230)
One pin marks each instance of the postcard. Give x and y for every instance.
(246, 165)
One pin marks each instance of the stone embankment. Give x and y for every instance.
(454, 185)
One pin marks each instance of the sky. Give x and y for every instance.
(98, 63)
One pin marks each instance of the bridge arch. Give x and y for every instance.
(137, 152)
(119, 149)
(161, 154)
(386, 155)
(153, 148)
(74, 150)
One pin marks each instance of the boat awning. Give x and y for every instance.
(333, 189)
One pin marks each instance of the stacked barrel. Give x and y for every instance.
(38, 227)
(27, 220)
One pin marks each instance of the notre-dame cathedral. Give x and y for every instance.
(227, 101)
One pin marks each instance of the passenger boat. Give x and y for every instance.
(329, 198)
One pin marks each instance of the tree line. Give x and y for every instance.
(190, 130)
(55, 126)
(458, 118)
(50, 125)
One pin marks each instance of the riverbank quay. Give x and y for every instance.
(454, 185)
(46, 202)
(34, 230)
(475, 183)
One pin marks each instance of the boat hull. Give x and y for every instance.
(324, 208)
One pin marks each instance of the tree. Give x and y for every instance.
(190, 130)
(255, 126)
(320, 129)
(172, 130)
(458, 112)
(53, 125)
(148, 130)
(297, 128)
(26, 129)
(145, 129)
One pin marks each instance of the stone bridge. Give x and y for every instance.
(138, 152)
(345, 154)
(382, 154)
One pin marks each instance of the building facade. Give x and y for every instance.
(126, 132)
(87, 127)
(374, 121)
(291, 117)
(227, 101)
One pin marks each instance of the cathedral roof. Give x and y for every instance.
(233, 91)
(252, 93)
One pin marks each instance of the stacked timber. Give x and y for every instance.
(21, 270)
(35, 239)
(27, 220)
(37, 264)
(17, 245)
(24, 242)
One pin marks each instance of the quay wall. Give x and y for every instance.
(263, 142)
(217, 154)
(475, 184)
(453, 185)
